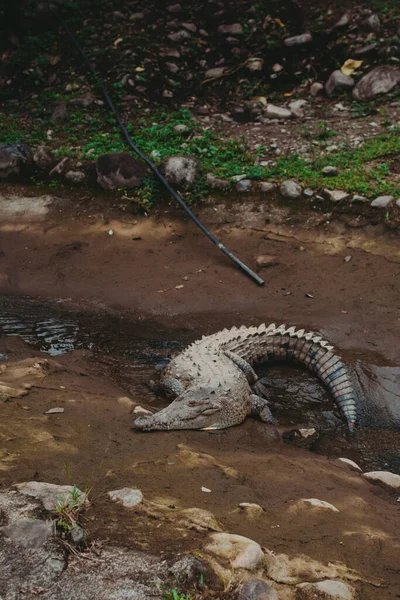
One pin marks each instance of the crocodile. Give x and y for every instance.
(213, 385)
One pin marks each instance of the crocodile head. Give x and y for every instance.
(197, 408)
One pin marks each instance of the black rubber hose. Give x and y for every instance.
(152, 166)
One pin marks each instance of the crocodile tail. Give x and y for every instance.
(317, 355)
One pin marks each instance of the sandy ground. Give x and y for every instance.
(139, 270)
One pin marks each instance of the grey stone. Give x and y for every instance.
(372, 23)
(266, 260)
(308, 192)
(298, 40)
(277, 112)
(128, 497)
(266, 186)
(172, 67)
(252, 510)
(119, 170)
(188, 570)
(380, 80)
(316, 88)
(325, 590)
(343, 21)
(181, 128)
(350, 464)
(314, 502)
(335, 195)
(179, 36)
(29, 533)
(234, 29)
(365, 50)
(78, 536)
(338, 81)
(215, 72)
(12, 159)
(174, 8)
(255, 65)
(330, 171)
(356, 198)
(382, 201)
(398, 202)
(49, 494)
(296, 107)
(291, 190)
(75, 176)
(243, 186)
(241, 552)
(257, 589)
(217, 183)
(181, 171)
(389, 479)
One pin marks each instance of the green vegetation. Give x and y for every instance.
(175, 595)
(68, 508)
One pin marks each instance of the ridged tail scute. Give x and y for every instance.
(308, 349)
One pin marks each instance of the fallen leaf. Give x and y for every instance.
(139, 69)
(288, 94)
(54, 411)
(204, 489)
(279, 22)
(117, 41)
(309, 295)
(350, 65)
(261, 99)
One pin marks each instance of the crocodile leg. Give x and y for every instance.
(171, 387)
(260, 406)
(243, 366)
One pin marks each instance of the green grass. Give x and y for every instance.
(173, 594)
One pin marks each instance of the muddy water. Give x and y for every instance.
(129, 353)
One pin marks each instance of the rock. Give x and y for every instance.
(330, 171)
(382, 201)
(365, 50)
(60, 113)
(298, 40)
(338, 81)
(380, 80)
(75, 176)
(350, 464)
(372, 23)
(266, 186)
(215, 72)
(181, 128)
(277, 112)
(12, 159)
(325, 590)
(343, 21)
(50, 494)
(243, 186)
(126, 403)
(179, 36)
(257, 589)
(78, 536)
(389, 479)
(356, 198)
(172, 67)
(308, 192)
(217, 183)
(398, 202)
(174, 8)
(234, 29)
(266, 260)
(181, 171)
(296, 108)
(335, 195)
(29, 533)
(251, 509)
(42, 157)
(128, 497)
(291, 190)
(188, 570)
(316, 88)
(319, 504)
(241, 552)
(254, 65)
(119, 170)
(299, 569)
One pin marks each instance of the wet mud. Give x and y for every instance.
(111, 312)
